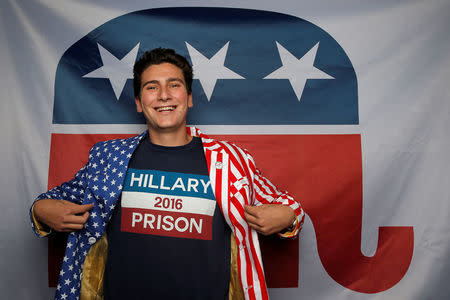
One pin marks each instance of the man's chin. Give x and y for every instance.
(166, 127)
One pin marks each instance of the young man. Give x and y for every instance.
(176, 212)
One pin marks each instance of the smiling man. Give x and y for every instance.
(164, 99)
(168, 214)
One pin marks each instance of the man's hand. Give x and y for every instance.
(61, 215)
(269, 218)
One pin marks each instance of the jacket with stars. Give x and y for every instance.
(234, 180)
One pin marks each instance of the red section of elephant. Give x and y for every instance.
(324, 172)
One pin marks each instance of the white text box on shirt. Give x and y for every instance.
(154, 201)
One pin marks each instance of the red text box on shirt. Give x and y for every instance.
(167, 215)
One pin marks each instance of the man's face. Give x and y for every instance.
(164, 98)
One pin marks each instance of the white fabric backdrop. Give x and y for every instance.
(401, 54)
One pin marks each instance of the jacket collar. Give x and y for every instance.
(208, 142)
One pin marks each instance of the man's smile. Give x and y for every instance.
(165, 108)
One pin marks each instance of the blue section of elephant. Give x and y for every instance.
(252, 53)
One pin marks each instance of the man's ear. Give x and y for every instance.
(190, 102)
(138, 105)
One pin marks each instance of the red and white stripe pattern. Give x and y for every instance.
(236, 182)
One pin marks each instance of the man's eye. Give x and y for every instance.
(149, 87)
(174, 85)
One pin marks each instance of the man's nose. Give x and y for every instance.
(163, 93)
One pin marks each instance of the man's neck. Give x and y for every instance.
(169, 138)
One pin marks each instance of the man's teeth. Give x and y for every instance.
(165, 108)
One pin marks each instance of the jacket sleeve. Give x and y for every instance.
(72, 190)
(264, 192)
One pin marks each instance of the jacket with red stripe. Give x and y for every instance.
(235, 182)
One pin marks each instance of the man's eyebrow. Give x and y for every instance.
(149, 82)
(154, 81)
(176, 79)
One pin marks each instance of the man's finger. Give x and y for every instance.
(260, 229)
(252, 219)
(73, 219)
(79, 209)
(72, 227)
(252, 210)
(255, 226)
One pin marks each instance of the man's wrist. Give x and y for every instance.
(42, 228)
(291, 230)
(293, 225)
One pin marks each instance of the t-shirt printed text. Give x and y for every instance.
(167, 204)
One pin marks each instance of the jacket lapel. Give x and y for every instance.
(107, 180)
(218, 166)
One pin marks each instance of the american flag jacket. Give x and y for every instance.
(235, 182)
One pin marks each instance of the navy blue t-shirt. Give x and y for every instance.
(167, 238)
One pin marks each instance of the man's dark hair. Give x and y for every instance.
(158, 56)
